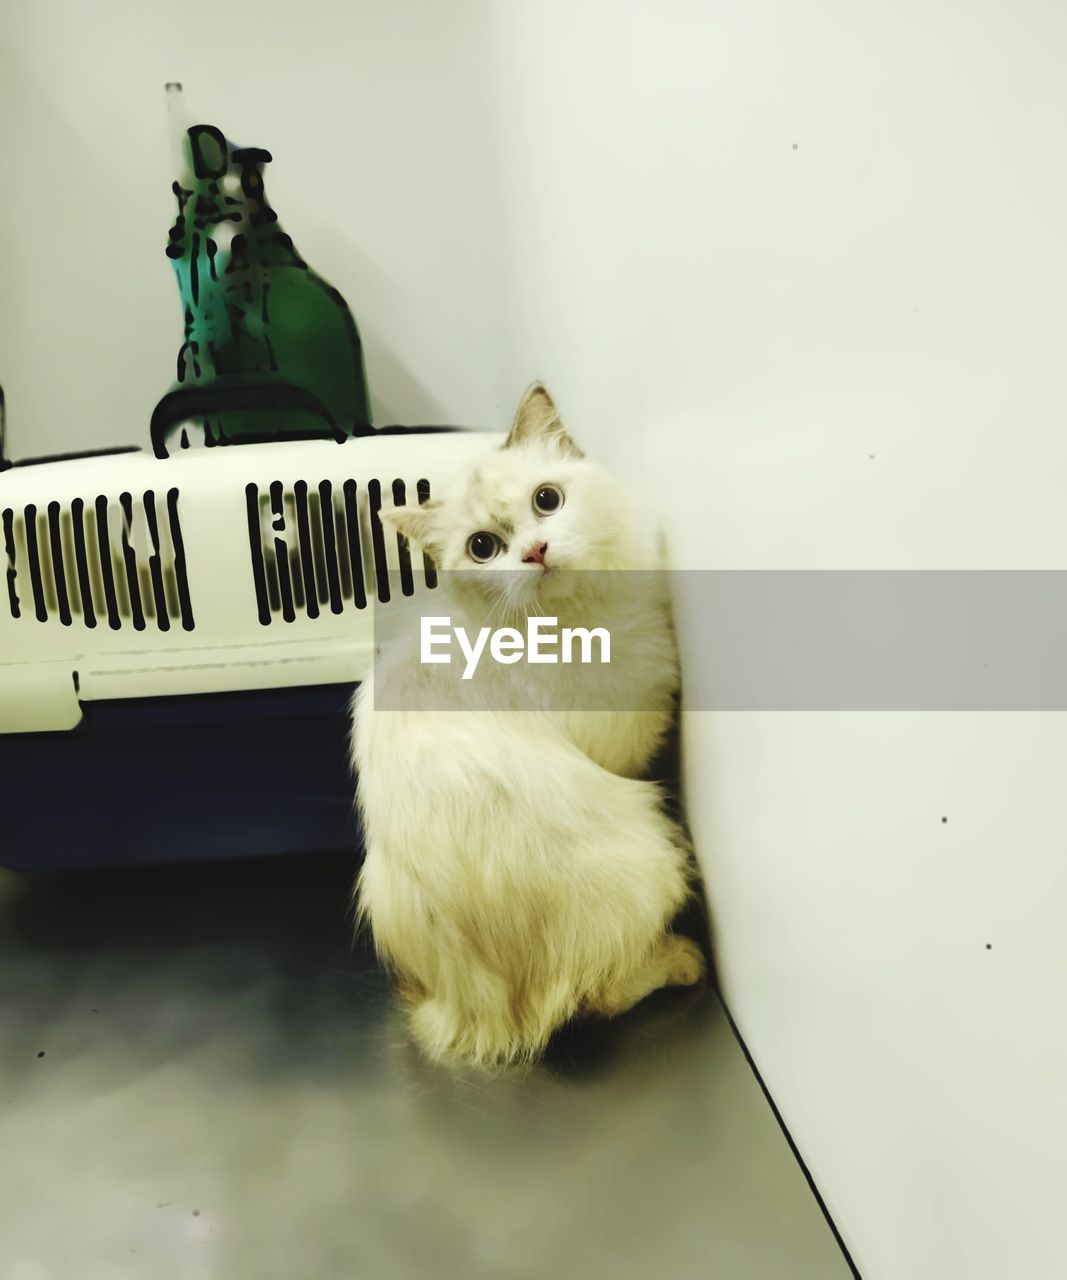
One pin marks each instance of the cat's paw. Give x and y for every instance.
(687, 966)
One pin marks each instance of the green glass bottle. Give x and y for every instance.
(270, 350)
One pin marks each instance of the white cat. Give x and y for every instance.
(518, 870)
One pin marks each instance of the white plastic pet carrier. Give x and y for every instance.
(228, 569)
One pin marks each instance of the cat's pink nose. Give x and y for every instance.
(536, 553)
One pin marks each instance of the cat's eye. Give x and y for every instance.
(483, 546)
(547, 499)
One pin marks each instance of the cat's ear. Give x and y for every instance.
(537, 421)
(417, 524)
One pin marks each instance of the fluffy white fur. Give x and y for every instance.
(519, 872)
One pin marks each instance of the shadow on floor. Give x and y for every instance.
(201, 1074)
(287, 917)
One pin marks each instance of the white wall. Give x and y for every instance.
(820, 248)
(378, 119)
(798, 269)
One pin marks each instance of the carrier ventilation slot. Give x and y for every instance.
(98, 562)
(319, 549)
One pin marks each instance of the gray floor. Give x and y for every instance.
(199, 1078)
